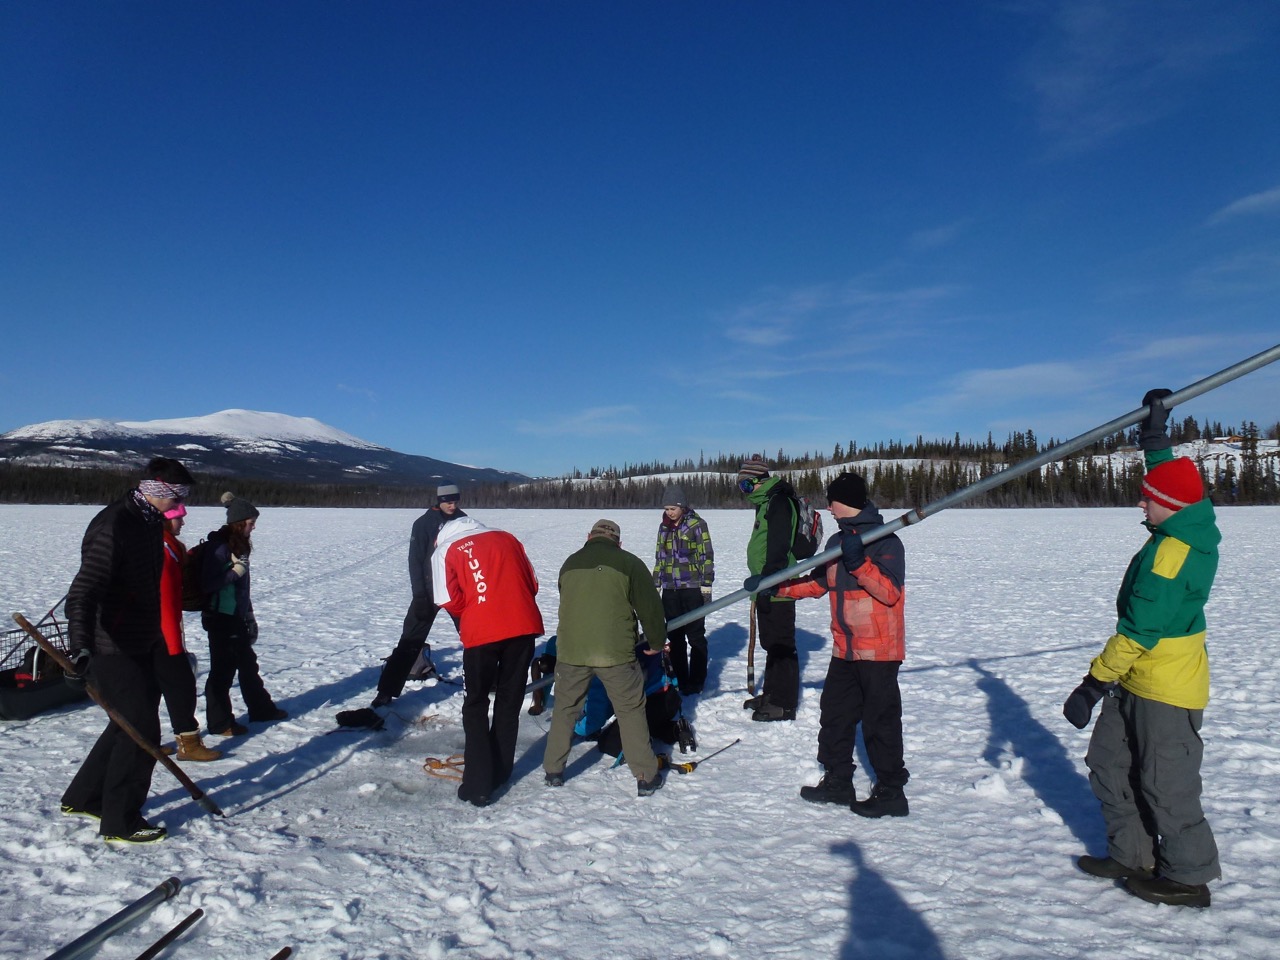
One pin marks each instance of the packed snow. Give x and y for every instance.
(340, 845)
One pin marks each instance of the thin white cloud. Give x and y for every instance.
(1268, 201)
(592, 422)
(357, 391)
(1248, 273)
(1106, 66)
(934, 237)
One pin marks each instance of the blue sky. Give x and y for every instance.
(547, 235)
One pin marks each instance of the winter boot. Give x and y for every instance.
(830, 790)
(233, 730)
(753, 703)
(883, 802)
(770, 712)
(647, 788)
(1108, 868)
(1164, 890)
(190, 747)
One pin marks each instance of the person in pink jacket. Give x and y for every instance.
(484, 579)
(867, 597)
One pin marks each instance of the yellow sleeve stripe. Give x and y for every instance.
(1170, 556)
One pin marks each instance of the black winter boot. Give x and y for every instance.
(1164, 890)
(883, 802)
(830, 790)
(770, 712)
(1109, 868)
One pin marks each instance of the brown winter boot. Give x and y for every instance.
(191, 748)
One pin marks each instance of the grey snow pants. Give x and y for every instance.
(1144, 767)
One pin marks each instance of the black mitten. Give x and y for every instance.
(1079, 706)
(1153, 435)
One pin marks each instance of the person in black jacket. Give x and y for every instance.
(413, 644)
(114, 633)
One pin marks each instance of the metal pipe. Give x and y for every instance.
(82, 944)
(917, 514)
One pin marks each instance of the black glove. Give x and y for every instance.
(1079, 706)
(1153, 434)
(752, 583)
(852, 550)
(251, 629)
(78, 675)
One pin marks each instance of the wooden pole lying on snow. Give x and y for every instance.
(154, 749)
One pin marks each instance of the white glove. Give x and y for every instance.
(239, 565)
(706, 594)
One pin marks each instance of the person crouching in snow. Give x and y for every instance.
(484, 579)
(1153, 676)
(867, 624)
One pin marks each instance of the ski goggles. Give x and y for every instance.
(747, 484)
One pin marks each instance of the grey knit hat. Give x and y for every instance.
(448, 490)
(673, 496)
(755, 467)
(238, 508)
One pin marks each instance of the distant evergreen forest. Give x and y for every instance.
(934, 469)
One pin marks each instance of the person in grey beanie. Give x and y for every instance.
(229, 621)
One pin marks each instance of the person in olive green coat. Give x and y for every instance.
(605, 593)
(1153, 675)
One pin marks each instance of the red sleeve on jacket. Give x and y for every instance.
(877, 583)
(801, 588)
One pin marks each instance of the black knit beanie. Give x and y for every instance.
(849, 489)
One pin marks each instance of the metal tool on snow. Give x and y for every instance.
(87, 941)
(688, 766)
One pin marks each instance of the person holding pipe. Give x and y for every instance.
(769, 551)
(1152, 677)
(117, 644)
(866, 586)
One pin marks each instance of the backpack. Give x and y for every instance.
(808, 537)
(193, 597)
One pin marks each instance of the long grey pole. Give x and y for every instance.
(918, 514)
(86, 942)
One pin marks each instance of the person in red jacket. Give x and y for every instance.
(174, 671)
(866, 590)
(484, 579)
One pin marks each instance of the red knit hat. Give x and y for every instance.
(1174, 484)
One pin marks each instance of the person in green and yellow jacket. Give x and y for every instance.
(1153, 676)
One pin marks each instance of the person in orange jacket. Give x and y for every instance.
(483, 577)
(866, 587)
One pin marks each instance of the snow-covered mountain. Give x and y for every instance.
(234, 442)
